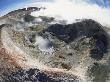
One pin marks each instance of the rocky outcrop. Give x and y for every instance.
(86, 28)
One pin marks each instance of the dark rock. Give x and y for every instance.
(32, 38)
(28, 18)
(96, 54)
(70, 54)
(70, 32)
(100, 72)
(35, 75)
(63, 32)
(101, 46)
(47, 19)
(89, 28)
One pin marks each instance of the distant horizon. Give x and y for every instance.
(6, 3)
(10, 5)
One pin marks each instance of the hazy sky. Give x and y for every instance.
(5, 3)
(9, 5)
(68, 9)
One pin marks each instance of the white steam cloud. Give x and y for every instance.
(71, 10)
(44, 44)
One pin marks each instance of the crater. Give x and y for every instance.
(88, 28)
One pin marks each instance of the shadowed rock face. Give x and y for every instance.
(100, 46)
(99, 72)
(28, 18)
(89, 29)
(70, 32)
(67, 33)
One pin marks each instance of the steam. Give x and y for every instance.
(44, 44)
(70, 10)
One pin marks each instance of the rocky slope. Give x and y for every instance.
(34, 49)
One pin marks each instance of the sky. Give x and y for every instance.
(5, 4)
(102, 3)
(63, 9)
(9, 5)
